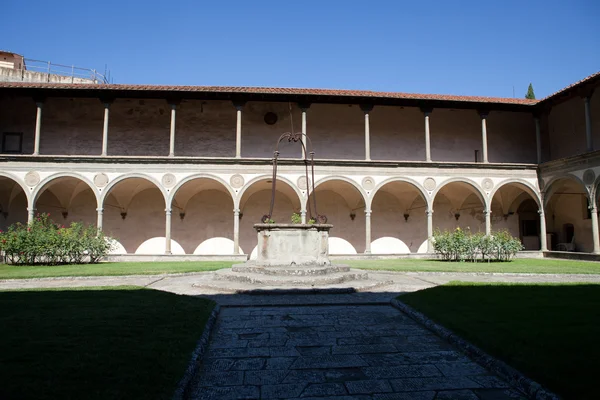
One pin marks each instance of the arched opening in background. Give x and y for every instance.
(398, 219)
(458, 205)
(344, 206)
(13, 203)
(202, 209)
(67, 199)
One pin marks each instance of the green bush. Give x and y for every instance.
(44, 242)
(296, 218)
(462, 245)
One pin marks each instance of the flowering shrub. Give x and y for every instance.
(462, 245)
(44, 242)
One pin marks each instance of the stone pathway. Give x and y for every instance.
(339, 352)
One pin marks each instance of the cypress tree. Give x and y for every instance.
(530, 94)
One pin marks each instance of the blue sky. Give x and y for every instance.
(452, 47)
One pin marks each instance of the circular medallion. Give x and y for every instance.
(236, 181)
(429, 184)
(168, 180)
(589, 177)
(302, 183)
(368, 183)
(32, 178)
(100, 180)
(487, 184)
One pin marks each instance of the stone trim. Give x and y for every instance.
(532, 389)
(184, 384)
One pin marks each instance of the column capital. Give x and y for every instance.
(429, 212)
(100, 210)
(541, 212)
(586, 93)
(304, 106)
(487, 212)
(483, 113)
(426, 110)
(593, 208)
(367, 108)
(238, 104)
(367, 213)
(236, 212)
(39, 100)
(168, 211)
(31, 209)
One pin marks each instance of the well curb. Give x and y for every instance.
(181, 392)
(532, 389)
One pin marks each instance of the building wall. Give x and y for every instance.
(17, 114)
(567, 129)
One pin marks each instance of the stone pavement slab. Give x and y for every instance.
(336, 351)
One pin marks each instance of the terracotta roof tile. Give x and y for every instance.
(571, 86)
(268, 90)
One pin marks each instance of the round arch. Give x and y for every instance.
(521, 184)
(44, 184)
(362, 192)
(18, 182)
(240, 195)
(550, 187)
(478, 191)
(173, 192)
(106, 190)
(410, 181)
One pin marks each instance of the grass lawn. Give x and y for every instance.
(547, 331)
(519, 265)
(96, 343)
(110, 268)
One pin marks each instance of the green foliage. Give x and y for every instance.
(44, 242)
(296, 218)
(530, 94)
(462, 245)
(312, 221)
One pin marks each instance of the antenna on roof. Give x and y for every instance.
(513, 91)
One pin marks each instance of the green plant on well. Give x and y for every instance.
(44, 242)
(296, 218)
(462, 245)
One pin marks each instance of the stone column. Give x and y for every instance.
(303, 215)
(429, 231)
(304, 107)
(368, 231)
(172, 131)
(588, 124)
(100, 212)
(488, 222)
(367, 109)
(38, 128)
(483, 115)
(105, 129)
(427, 112)
(538, 139)
(238, 128)
(236, 231)
(168, 231)
(30, 214)
(543, 244)
(594, 212)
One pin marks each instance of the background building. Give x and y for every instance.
(186, 169)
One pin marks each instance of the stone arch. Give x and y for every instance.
(254, 200)
(112, 183)
(43, 185)
(511, 205)
(398, 219)
(523, 185)
(566, 204)
(12, 208)
(133, 218)
(363, 193)
(344, 204)
(67, 197)
(410, 181)
(457, 208)
(173, 192)
(202, 209)
(478, 190)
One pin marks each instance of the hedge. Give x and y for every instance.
(42, 241)
(462, 245)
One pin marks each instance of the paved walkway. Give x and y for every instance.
(339, 352)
